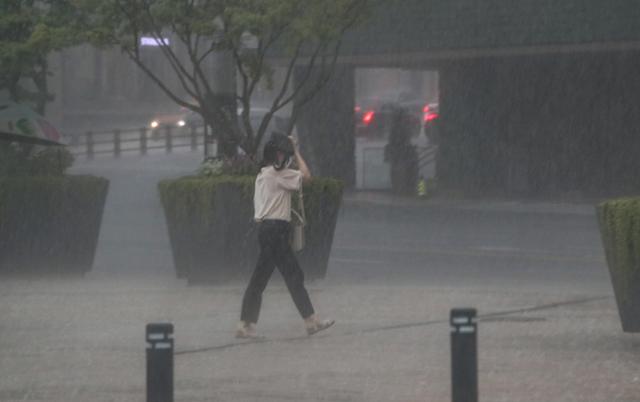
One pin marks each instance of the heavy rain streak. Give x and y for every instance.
(319, 200)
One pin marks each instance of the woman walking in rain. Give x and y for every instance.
(272, 203)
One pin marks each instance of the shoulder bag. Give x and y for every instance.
(298, 222)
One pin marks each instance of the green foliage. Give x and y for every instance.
(248, 31)
(29, 31)
(240, 166)
(234, 166)
(213, 237)
(16, 160)
(315, 193)
(193, 197)
(12, 160)
(620, 228)
(190, 197)
(52, 161)
(210, 167)
(50, 224)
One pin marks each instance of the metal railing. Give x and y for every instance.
(139, 141)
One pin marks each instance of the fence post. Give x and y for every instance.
(194, 137)
(143, 141)
(116, 143)
(90, 145)
(159, 362)
(464, 355)
(168, 139)
(206, 140)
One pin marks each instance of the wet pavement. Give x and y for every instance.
(549, 329)
(83, 340)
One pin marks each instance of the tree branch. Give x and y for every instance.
(285, 86)
(321, 81)
(245, 98)
(175, 63)
(135, 55)
(159, 82)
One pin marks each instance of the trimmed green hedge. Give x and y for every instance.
(619, 222)
(212, 233)
(50, 224)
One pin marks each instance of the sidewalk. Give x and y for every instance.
(384, 198)
(83, 340)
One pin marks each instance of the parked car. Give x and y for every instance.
(374, 116)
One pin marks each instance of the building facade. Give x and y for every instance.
(537, 97)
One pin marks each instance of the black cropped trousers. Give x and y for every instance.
(275, 251)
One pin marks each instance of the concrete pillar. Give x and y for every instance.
(541, 126)
(325, 126)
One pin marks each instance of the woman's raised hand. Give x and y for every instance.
(294, 142)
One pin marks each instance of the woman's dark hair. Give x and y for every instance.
(277, 143)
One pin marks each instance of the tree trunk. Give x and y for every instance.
(220, 113)
(224, 104)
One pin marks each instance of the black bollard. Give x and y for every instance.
(464, 355)
(159, 362)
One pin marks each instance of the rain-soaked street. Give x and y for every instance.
(379, 238)
(490, 151)
(535, 272)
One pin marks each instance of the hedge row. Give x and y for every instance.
(619, 222)
(50, 224)
(213, 237)
(194, 196)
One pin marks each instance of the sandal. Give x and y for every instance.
(319, 326)
(247, 331)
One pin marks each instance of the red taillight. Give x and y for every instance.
(357, 109)
(368, 117)
(430, 116)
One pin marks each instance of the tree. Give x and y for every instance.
(29, 31)
(300, 33)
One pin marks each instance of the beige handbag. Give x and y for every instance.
(298, 223)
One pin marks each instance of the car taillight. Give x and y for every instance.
(430, 116)
(425, 109)
(368, 117)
